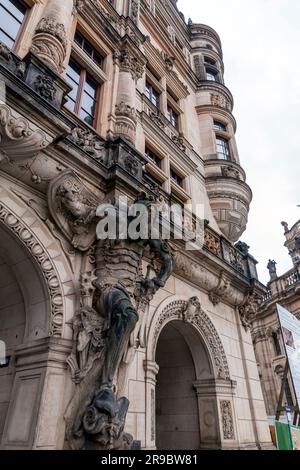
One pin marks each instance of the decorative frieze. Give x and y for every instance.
(227, 420)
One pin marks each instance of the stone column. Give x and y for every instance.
(151, 371)
(51, 36)
(131, 70)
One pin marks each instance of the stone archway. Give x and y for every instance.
(182, 325)
(36, 302)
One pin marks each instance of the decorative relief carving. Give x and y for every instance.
(192, 312)
(79, 6)
(51, 26)
(44, 85)
(18, 141)
(128, 63)
(217, 294)
(230, 172)
(212, 243)
(219, 100)
(71, 205)
(134, 10)
(131, 165)
(105, 326)
(89, 143)
(23, 232)
(227, 420)
(168, 60)
(179, 141)
(123, 109)
(248, 310)
(158, 119)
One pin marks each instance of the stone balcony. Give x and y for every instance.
(229, 196)
(286, 285)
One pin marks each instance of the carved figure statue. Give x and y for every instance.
(103, 328)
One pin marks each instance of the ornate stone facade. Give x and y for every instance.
(266, 332)
(108, 341)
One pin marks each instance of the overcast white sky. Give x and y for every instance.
(261, 45)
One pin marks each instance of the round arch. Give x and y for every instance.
(48, 268)
(173, 308)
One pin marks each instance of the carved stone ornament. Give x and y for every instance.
(128, 63)
(70, 204)
(51, 26)
(89, 143)
(219, 100)
(230, 172)
(104, 327)
(18, 141)
(248, 310)
(134, 10)
(217, 294)
(168, 60)
(191, 311)
(179, 141)
(227, 420)
(123, 109)
(24, 233)
(79, 6)
(44, 85)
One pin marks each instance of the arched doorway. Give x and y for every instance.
(24, 311)
(177, 409)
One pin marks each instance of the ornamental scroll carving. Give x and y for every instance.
(18, 140)
(191, 311)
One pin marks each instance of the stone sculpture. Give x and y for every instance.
(106, 321)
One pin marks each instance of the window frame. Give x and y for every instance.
(227, 153)
(171, 114)
(84, 75)
(28, 9)
(152, 92)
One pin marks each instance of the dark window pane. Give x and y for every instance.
(88, 104)
(86, 117)
(222, 149)
(90, 87)
(73, 72)
(88, 48)
(219, 126)
(9, 24)
(6, 40)
(70, 104)
(17, 9)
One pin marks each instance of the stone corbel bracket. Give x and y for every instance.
(71, 205)
(248, 310)
(19, 139)
(220, 292)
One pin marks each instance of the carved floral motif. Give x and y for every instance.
(227, 420)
